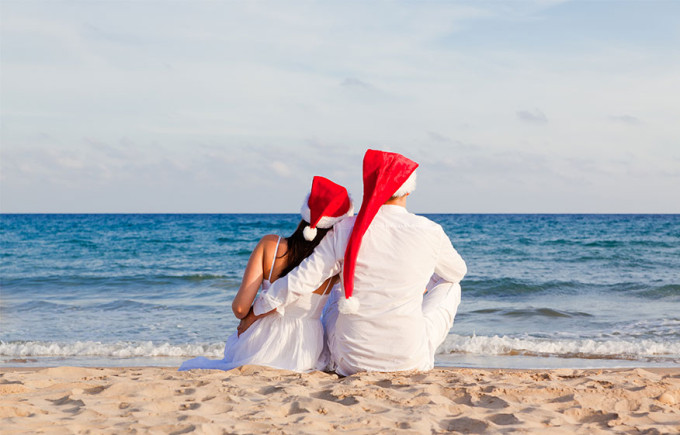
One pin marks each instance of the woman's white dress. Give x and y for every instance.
(290, 339)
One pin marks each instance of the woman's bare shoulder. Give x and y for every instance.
(269, 239)
(268, 242)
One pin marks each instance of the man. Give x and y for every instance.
(387, 256)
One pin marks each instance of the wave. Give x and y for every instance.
(243, 253)
(117, 350)
(532, 312)
(515, 287)
(575, 348)
(113, 279)
(607, 243)
(638, 350)
(84, 243)
(508, 287)
(236, 239)
(41, 305)
(114, 305)
(664, 291)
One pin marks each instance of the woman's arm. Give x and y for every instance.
(252, 279)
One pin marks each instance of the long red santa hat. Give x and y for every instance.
(385, 175)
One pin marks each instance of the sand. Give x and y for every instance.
(255, 399)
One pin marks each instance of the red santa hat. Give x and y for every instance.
(385, 175)
(327, 204)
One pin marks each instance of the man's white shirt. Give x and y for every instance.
(398, 255)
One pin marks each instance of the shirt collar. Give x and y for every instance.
(394, 209)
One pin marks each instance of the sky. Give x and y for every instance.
(233, 106)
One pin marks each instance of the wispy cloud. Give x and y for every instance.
(352, 82)
(432, 135)
(280, 168)
(534, 117)
(626, 119)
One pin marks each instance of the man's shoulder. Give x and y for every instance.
(423, 221)
(345, 224)
(344, 227)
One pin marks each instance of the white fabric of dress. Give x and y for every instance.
(290, 340)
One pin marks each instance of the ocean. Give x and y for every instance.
(542, 291)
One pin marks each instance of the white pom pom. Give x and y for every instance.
(309, 233)
(348, 306)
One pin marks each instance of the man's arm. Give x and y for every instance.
(315, 269)
(249, 319)
(450, 265)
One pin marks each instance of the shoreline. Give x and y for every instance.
(658, 370)
(258, 399)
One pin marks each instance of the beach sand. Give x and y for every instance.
(254, 399)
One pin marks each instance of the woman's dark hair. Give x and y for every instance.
(300, 248)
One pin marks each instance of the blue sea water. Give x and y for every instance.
(541, 291)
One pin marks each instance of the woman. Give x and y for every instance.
(290, 338)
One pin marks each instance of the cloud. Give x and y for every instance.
(352, 82)
(533, 117)
(280, 168)
(432, 135)
(626, 119)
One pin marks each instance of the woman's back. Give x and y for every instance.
(275, 260)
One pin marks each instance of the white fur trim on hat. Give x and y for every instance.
(309, 233)
(348, 305)
(408, 186)
(325, 221)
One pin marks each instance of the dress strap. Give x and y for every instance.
(271, 269)
(316, 307)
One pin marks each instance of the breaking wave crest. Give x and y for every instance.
(640, 350)
(118, 350)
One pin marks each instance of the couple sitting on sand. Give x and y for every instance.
(375, 292)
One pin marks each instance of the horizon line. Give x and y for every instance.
(295, 213)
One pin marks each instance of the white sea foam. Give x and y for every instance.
(478, 345)
(117, 350)
(566, 348)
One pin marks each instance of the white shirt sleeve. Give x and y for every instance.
(450, 265)
(315, 269)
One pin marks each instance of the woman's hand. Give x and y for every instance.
(249, 319)
(245, 323)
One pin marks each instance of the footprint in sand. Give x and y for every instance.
(67, 401)
(504, 419)
(185, 429)
(563, 399)
(465, 425)
(269, 390)
(491, 402)
(336, 396)
(599, 417)
(189, 406)
(295, 408)
(96, 390)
